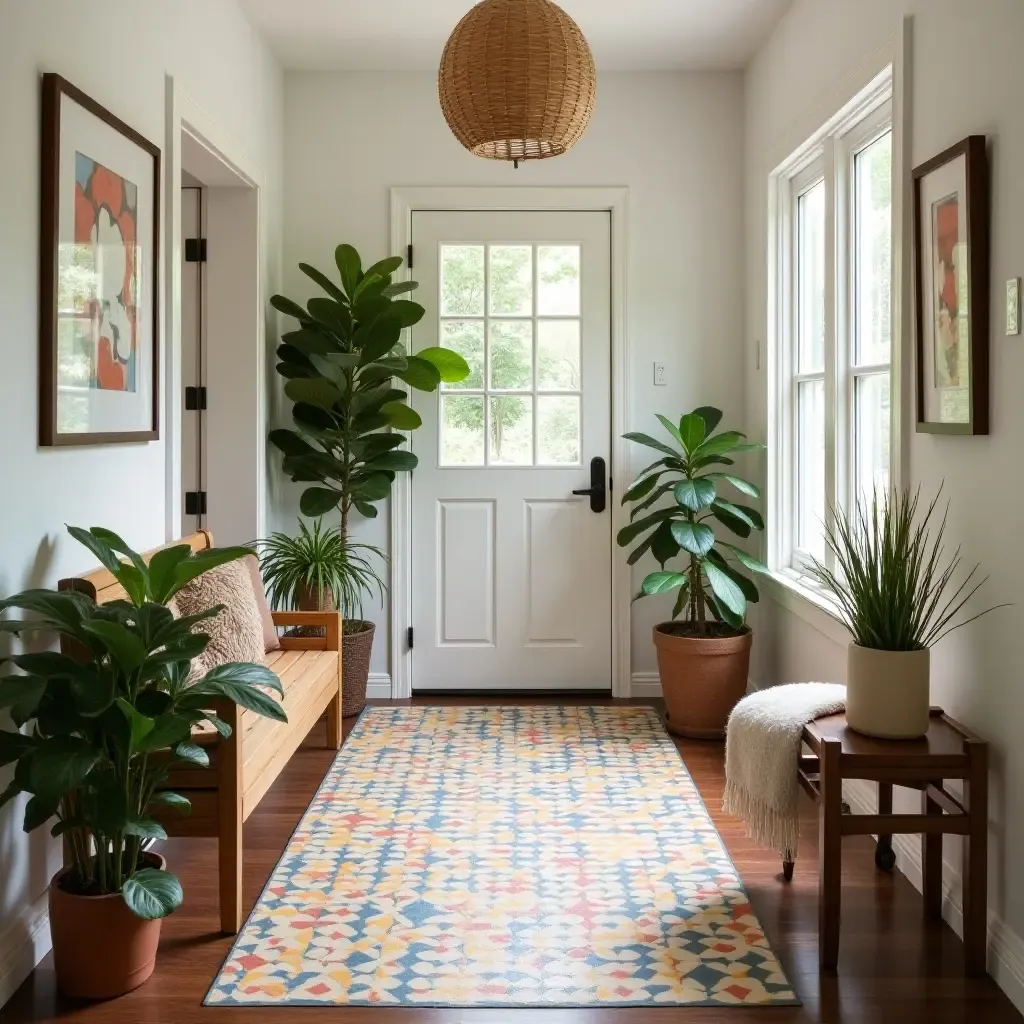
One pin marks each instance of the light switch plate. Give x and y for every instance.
(660, 379)
(1013, 306)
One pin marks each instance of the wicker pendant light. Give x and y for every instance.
(517, 80)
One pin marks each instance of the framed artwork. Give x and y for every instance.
(951, 270)
(99, 371)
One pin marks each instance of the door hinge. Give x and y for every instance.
(195, 250)
(195, 503)
(408, 256)
(195, 398)
(408, 637)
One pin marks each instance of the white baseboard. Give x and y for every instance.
(378, 686)
(22, 945)
(645, 684)
(1005, 947)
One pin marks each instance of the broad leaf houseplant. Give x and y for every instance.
(345, 368)
(896, 591)
(93, 738)
(679, 502)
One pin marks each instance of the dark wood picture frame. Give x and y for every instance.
(974, 151)
(53, 88)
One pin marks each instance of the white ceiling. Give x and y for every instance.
(410, 34)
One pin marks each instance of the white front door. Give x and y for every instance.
(511, 572)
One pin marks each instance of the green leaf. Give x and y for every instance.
(450, 365)
(141, 725)
(711, 417)
(651, 442)
(693, 537)
(325, 282)
(420, 374)
(151, 893)
(60, 764)
(744, 513)
(289, 442)
(720, 444)
(663, 544)
(177, 802)
(738, 526)
(684, 592)
(309, 342)
(349, 267)
(372, 487)
(400, 462)
(192, 753)
(400, 416)
(722, 613)
(641, 487)
(14, 745)
(318, 501)
(629, 533)
(38, 811)
(670, 427)
(747, 586)
(695, 494)
(753, 564)
(125, 573)
(124, 646)
(168, 730)
(741, 485)
(144, 828)
(662, 582)
(289, 308)
(22, 695)
(236, 682)
(692, 430)
(162, 567)
(408, 313)
(385, 267)
(368, 511)
(726, 589)
(316, 391)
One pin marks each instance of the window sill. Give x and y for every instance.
(797, 594)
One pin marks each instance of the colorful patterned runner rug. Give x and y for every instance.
(504, 856)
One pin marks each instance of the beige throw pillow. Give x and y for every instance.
(271, 641)
(236, 634)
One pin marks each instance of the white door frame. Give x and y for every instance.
(185, 115)
(404, 200)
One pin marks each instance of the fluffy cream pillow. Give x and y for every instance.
(236, 634)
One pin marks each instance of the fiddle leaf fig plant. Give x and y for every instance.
(680, 509)
(341, 365)
(93, 737)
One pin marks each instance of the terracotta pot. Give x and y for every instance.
(100, 948)
(355, 666)
(887, 692)
(702, 679)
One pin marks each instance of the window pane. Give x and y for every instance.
(871, 411)
(511, 354)
(810, 467)
(558, 284)
(558, 355)
(462, 280)
(810, 258)
(462, 431)
(511, 431)
(511, 283)
(467, 338)
(558, 430)
(873, 206)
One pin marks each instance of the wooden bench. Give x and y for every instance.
(244, 766)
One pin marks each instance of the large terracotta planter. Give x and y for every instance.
(356, 645)
(887, 692)
(702, 679)
(100, 948)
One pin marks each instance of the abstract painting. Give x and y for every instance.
(99, 366)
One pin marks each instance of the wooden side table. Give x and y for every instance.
(948, 751)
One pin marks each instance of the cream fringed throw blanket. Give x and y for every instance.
(762, 744)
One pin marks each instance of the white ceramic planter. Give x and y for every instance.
(887, 692)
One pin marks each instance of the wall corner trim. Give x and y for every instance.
(24, 942)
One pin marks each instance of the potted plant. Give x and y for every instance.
(341, 366)
(703, 659)
(895, 592)
(103, 731)
(322, 570)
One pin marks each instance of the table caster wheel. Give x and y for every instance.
(885, 857)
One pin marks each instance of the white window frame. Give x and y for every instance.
(828, 156)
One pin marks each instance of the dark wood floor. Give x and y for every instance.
(893, 967)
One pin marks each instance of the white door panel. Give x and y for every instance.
(511, 572)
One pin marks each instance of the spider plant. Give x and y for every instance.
(321, 564)
(892, 581)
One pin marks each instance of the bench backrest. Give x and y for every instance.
(101, 585)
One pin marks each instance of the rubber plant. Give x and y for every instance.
(94, 737)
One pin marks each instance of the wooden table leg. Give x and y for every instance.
(885, 859)
(975, 867)
(830, 845)
(931, 861)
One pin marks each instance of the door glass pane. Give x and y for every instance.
(467, 338)
(462, 280)
(558, 430)
(512, 354)
(511, 427)
(810, 467)
(558, 355)
(873, 242)
(558, 280)
(811, 279)
(511, 282)
(871, 411)
(462, 430)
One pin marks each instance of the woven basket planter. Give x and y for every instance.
(517, 80)
(355, 666)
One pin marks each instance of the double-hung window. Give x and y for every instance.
(833, 327)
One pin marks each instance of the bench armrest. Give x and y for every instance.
(330, 621)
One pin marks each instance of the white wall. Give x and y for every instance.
(118, 51)
(674, 139)
(967, 78)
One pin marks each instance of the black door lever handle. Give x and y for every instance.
(597, 492)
